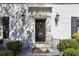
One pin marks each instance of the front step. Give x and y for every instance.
(40, 50)
(50, 52)
(29, 52)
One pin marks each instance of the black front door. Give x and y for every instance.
(40, 30)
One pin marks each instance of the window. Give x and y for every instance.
(5, 22)
(77, 24)
(74, 25)
(4, 27)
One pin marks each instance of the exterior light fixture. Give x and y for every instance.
(56, 19)
(23, 18)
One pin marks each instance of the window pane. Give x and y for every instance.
(77, 24)
(1, 28)
(5, 21)
(73, 25)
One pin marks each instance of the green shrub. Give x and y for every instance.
(71, 52)
(15, 46)
(61, 46)
(64, 44)
(2, 48)
(6, 53)
(77, 40)
(76, 36)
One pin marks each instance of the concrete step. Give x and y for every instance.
(52, 52)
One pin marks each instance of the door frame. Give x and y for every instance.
(48, 33)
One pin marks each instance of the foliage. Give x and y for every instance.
(2, 48)
(76, 36)
(61, 46)
(71, 52)
(15, 46)
(64, 44)
(6, 53)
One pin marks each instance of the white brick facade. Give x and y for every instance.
(26, 31)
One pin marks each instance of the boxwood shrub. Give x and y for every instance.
(76, 36)
(2, 48)
(6, 53)
(15, 46)
(71, 52)
(61, 46)
(67, 43)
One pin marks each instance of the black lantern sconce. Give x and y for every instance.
(56, 19)
(23, 18)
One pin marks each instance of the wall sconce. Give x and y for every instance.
(56, 19)
(23, 18)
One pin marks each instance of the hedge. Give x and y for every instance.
(6, 53)
(14, 46)
(76, 36)
(71, 52)
(2, 48)
(67, 43)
